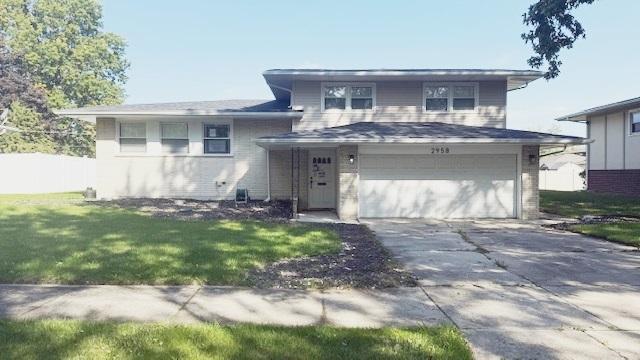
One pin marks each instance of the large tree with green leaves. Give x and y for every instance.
(65, 52)
(553, 29)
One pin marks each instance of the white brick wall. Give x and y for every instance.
(530, 173)
(348, 179)
(194, 175)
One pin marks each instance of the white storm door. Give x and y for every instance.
(322, 179)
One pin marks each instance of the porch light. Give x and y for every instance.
(532, 159)
(352, 159)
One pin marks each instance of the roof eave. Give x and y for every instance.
(280, 80)
(581, 116)
(311, 141)
(92, 115)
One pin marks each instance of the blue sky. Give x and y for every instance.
(208, 50)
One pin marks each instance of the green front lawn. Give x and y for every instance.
(579, 203)
(60, 239)
(576, 204)
(625, 233)
(57, 339)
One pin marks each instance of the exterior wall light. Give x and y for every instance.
(532, 159)
(352, 159)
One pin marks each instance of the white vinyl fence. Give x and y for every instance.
(564, 178)
(45, 173)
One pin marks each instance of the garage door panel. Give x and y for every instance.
(458, 190)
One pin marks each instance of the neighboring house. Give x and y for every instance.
(613, 161)
(367, 143)
(562, 172)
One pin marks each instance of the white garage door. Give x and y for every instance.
(440, 187)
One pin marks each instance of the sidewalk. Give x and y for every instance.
(189, 304)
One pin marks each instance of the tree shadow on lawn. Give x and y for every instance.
(101, 245)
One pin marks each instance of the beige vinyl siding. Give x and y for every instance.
(613, 148)
(195, 175)
(615, 144)
(598, 147)
(400, 101)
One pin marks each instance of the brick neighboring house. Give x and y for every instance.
(613, 158)
(414, 143)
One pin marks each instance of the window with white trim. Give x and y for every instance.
(217, 139)
(133, 137)
(634, 122)
(174, 138)
(348, 97)
(450, 97)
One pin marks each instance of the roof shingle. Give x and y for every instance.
(399, 131)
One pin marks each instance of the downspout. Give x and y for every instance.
(268, 199)
(556, 152)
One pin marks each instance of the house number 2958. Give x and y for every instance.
(440, 150)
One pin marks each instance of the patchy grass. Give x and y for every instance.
(624, 233)
(57, 339)
(59, 239)
(579, 203)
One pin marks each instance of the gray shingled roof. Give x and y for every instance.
(417, 132)
(217, 106)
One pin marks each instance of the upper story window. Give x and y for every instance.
(217, 139)
(448, 97)
(634, 121)
(133, 137)
(348, 97)
(174, 138)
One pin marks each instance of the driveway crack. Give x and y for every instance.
(440, 308)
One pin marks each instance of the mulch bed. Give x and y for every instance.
(362, 263)
(188, 209)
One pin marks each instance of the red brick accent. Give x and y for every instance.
(625, 182)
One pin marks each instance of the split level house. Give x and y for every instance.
(613, 158)
(422, 143)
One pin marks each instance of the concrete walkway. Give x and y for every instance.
(187, 304)
(520, 291)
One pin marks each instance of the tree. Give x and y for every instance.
(60, 48)
(554, 28)
(65, 49)
(28, 108)
(15, 84)
(34, 136)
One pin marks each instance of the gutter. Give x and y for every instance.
(576, 141)
(556, 152)
(177, 113)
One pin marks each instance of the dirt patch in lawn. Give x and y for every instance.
(188, 209)
(362, 263)
(593, 220)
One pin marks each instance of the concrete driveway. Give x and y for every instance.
(521, 291)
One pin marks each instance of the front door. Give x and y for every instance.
(322, 179)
